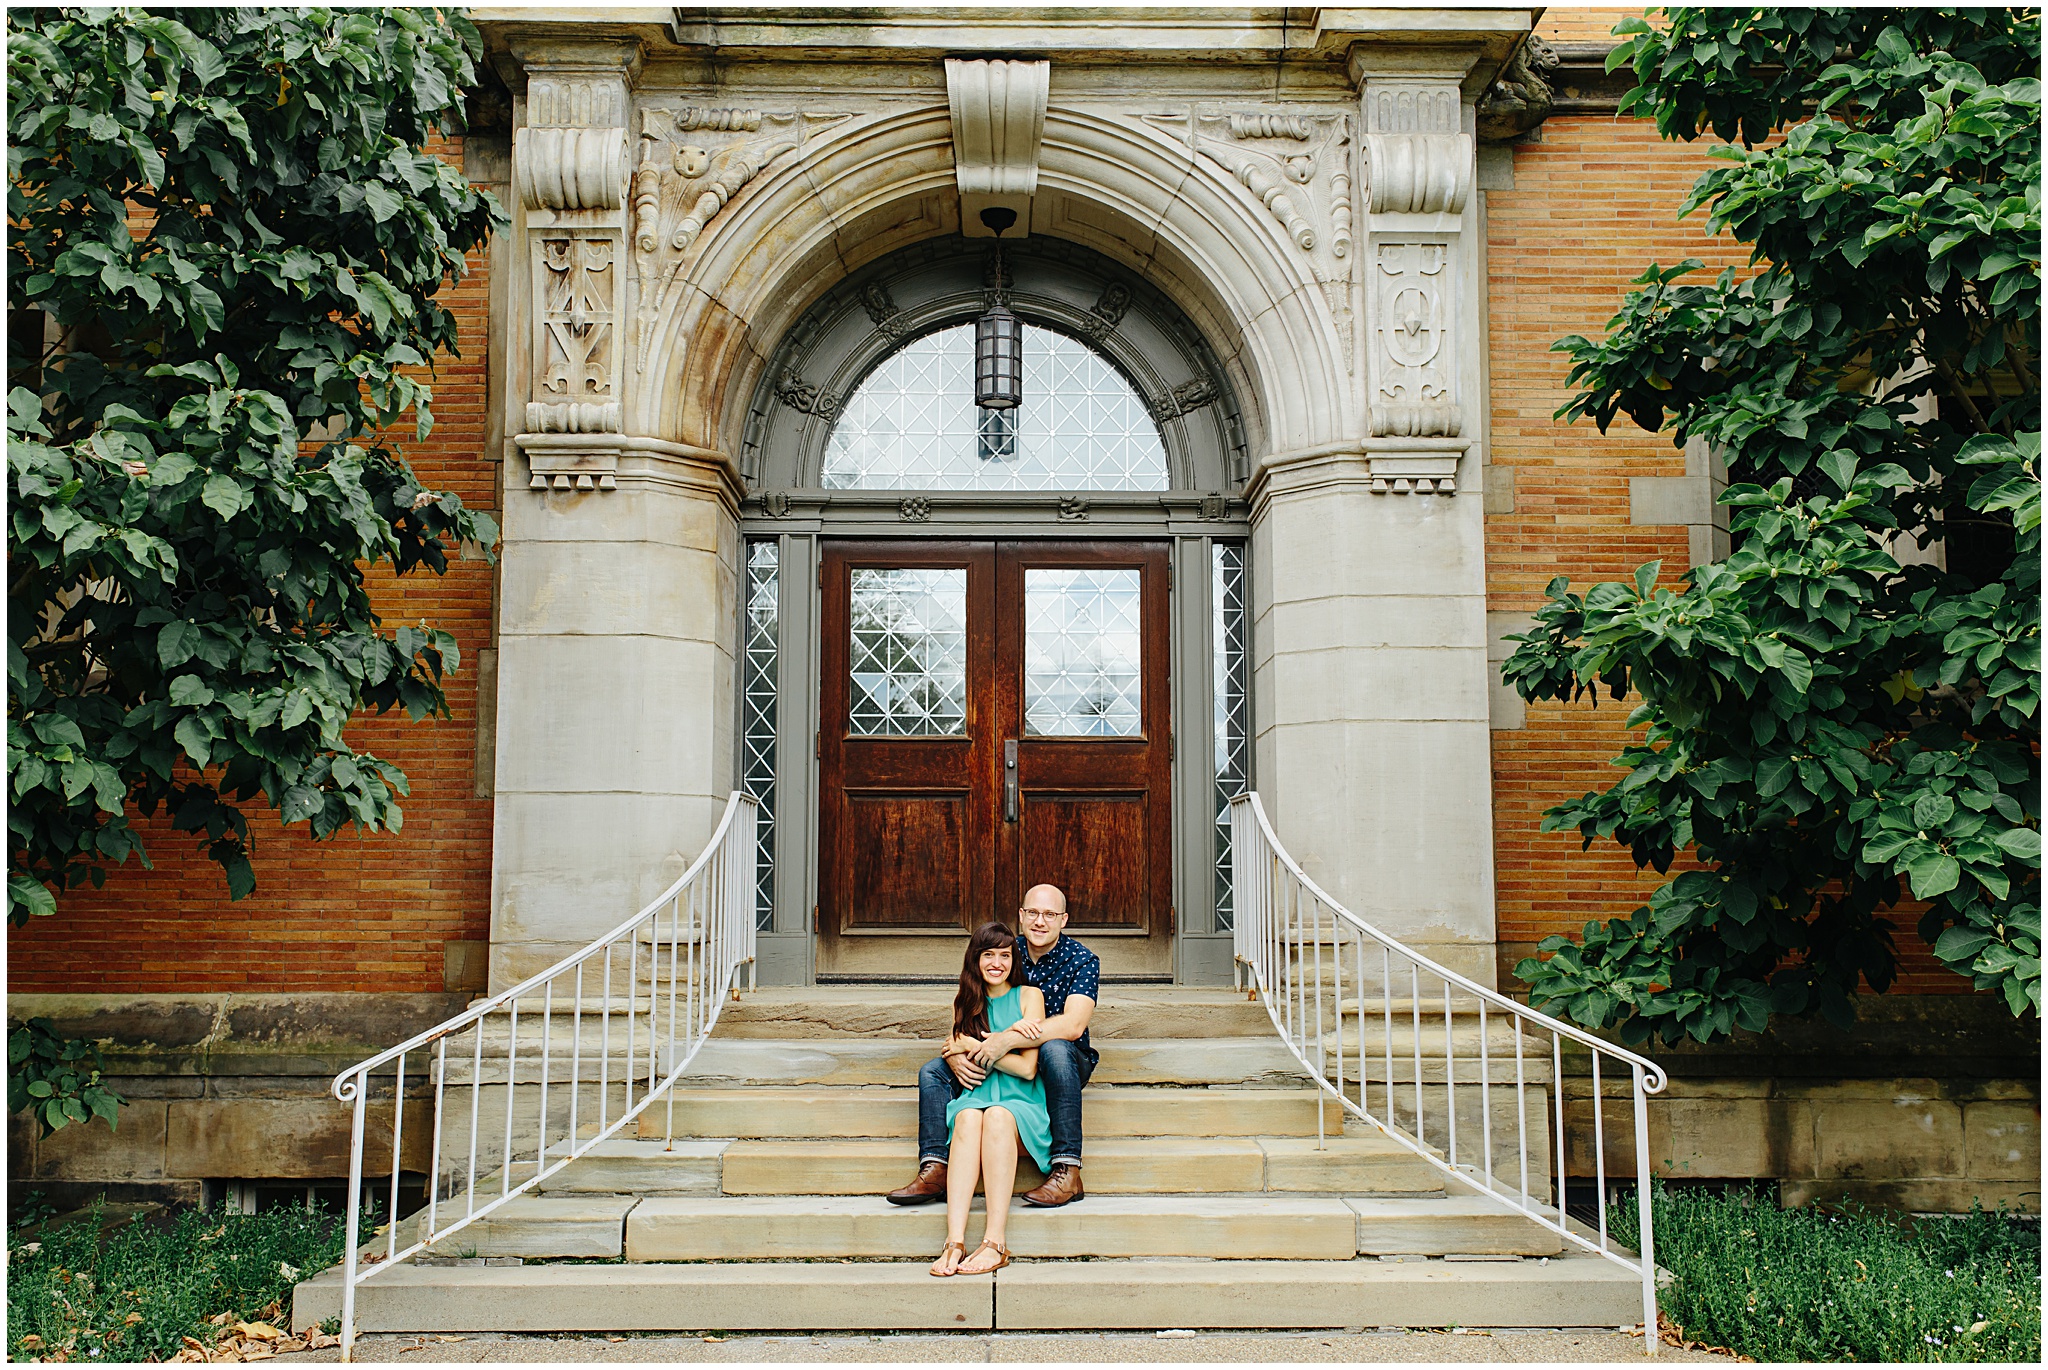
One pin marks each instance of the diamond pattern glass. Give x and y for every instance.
(758, 671)
(1081, 653)
(909, 652)
(1233, 709)
(913, 425)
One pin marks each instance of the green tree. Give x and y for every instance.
(227, 219)
(1824, 730)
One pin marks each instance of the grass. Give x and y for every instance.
(1807, 1285)
(87, 1289)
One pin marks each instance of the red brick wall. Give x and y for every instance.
(357, 912)
(1595, 201)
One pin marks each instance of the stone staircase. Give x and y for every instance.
(1212, 1199)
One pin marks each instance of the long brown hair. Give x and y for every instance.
(970, 1005)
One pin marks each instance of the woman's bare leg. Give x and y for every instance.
(963, 1167)
(998, 1178)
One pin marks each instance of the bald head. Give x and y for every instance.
(1042, 917)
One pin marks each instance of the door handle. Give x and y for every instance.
(1010, 780)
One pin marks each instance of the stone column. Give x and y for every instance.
(1368, 572)
(620, 558)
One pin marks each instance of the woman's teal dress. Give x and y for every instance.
(1025, 1099)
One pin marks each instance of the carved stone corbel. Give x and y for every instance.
(998, 112)
(570, 165)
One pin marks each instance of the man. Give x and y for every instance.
(1069, 975)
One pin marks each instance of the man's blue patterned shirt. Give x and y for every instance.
(1069, 968)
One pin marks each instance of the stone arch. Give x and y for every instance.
(1118, 188)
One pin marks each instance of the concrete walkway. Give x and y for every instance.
(1564, 1346)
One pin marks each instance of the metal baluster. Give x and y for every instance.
(397, 1135)
(1358, 975)
(1521, 1114)
(632, 1012)
(1485, 1099)
(355, 1214)
(1387, 1028)
(1600, 1149)
(604, 1055)
(1415, 1011)
(547, 1041)
(576, 1061)
(1450, 1079)
(1645, 1244)
(1557, 1093)
(511, 1097)
(476, 1108)
(434, 1160)
(1322, 1058)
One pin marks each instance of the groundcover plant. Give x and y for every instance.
(1845, 1285)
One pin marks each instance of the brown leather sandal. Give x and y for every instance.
(1001, 1251)
(961, 1247)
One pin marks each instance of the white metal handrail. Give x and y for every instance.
(1313, 963)
(703, 924)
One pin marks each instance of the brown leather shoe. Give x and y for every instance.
(928, 1187)
(1061, 1187)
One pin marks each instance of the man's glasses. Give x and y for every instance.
(1037, 916)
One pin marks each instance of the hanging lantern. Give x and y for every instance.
(998, 336)
(998, 359)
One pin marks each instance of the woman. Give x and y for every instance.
(1002, 1114)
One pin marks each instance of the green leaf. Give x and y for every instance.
(225, 495)
(1934, 875)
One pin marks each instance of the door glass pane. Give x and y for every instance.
(1081, 653)
(912, 423)
(758, 672)
(909, 656)
(1233, 711)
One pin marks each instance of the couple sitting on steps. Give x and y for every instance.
(1009, 1079)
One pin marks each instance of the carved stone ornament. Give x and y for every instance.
(1414, 473)
(799, 394)
(1520, 98)
(881, 309)
(916, 509)
(1413, 363)
(1297, 162)
(775, 504)
(1073, 509)
(1108, 310)
(1213, 507)
(693, 162)
(571, 168)
(575, 347)
(1417, 161)
(998, 110)
(1187, 397)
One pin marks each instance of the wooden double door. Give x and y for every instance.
(993, 715)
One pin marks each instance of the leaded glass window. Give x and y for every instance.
(1081, 652)
(1233, 708)
(912, 424)
(908, 665)
(758, 670)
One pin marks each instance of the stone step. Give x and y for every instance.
(538, 1227)
(1115, 1165)
(1257, 1227)
(1243, 1061)
(1582, 1291)
(924, 1012)
(878, 1111)
(634, 1166)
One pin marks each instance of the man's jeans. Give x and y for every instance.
(1061, 1066)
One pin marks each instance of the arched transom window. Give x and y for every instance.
(912, 423)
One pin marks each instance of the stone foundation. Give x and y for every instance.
(1925, 1104)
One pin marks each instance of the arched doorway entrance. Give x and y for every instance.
(1012, 619)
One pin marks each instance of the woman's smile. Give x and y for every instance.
(995, 968)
